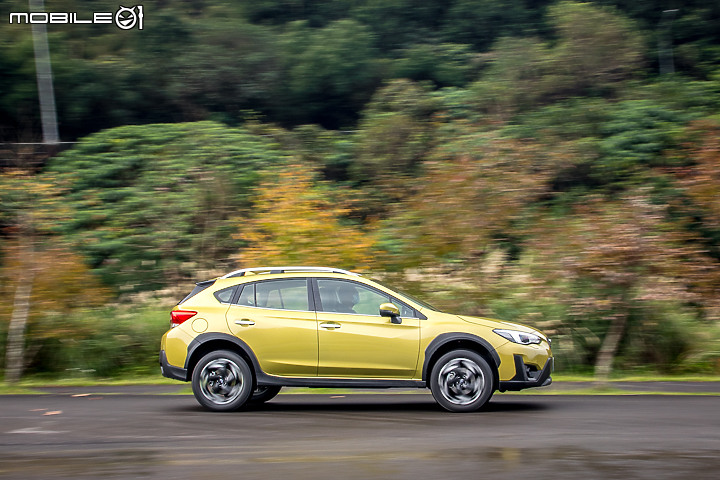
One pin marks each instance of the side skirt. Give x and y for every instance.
(264, 379)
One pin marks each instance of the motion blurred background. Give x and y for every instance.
(553, 163)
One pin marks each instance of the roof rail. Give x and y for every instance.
(269, 270)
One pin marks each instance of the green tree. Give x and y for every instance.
(445, 64)
(398, 24)
(318, 13)
(151, 203)
(395, 132)
(330, 150)
(597, 48)
(596, 51)
(19, 114)
(635, 137)
(480, 22)
(330, 72)
(519, 77)
(231, 67)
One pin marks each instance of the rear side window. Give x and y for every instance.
(247, 296)
(291, 294)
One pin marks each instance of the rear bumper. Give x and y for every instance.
(524, 378)
(171, 371)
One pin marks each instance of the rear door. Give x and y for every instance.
(276, 319)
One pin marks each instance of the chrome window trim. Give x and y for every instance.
(266, 308)
(357, 314)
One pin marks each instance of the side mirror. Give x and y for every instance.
(390, 310)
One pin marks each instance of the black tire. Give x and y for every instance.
(461, 381)
(222, 381)
(263, 394)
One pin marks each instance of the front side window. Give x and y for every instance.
(405, 311)
(349, 297)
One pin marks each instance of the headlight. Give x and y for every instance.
(517, 336)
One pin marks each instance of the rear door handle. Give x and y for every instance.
(244, 321)
(330, 325)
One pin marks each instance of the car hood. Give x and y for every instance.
(494, 323)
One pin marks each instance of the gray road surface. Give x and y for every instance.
(359, 436)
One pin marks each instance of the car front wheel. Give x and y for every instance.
(461, 381)
(222, 381)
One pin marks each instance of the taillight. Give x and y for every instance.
(179, 316)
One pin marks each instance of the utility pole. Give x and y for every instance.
(665, 50)
(43, 71)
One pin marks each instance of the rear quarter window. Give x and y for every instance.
(225, 295)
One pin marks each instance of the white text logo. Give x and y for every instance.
(124, 18)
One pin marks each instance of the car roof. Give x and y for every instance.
(287, 269)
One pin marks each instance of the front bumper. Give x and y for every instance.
(526, 378)
(171, 371)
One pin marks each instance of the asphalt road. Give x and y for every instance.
(359, 436)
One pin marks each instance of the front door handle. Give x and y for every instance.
(245, 322)
(330, 325)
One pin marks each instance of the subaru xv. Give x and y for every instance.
(241, 337)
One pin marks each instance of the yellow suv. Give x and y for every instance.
(241, 337)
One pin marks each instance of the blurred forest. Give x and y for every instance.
(552, 163)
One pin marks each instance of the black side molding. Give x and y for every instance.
(265, 379)
(209, 337)
(171, 371)
(446, 338)
(521, 380)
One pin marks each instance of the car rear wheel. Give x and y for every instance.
(461, 381)
(222, 381)
(263, 394)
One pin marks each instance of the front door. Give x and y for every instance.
(355, 341)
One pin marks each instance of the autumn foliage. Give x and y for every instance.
(297, 220)
(473, 191)
(622, 265)
(701, 178)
